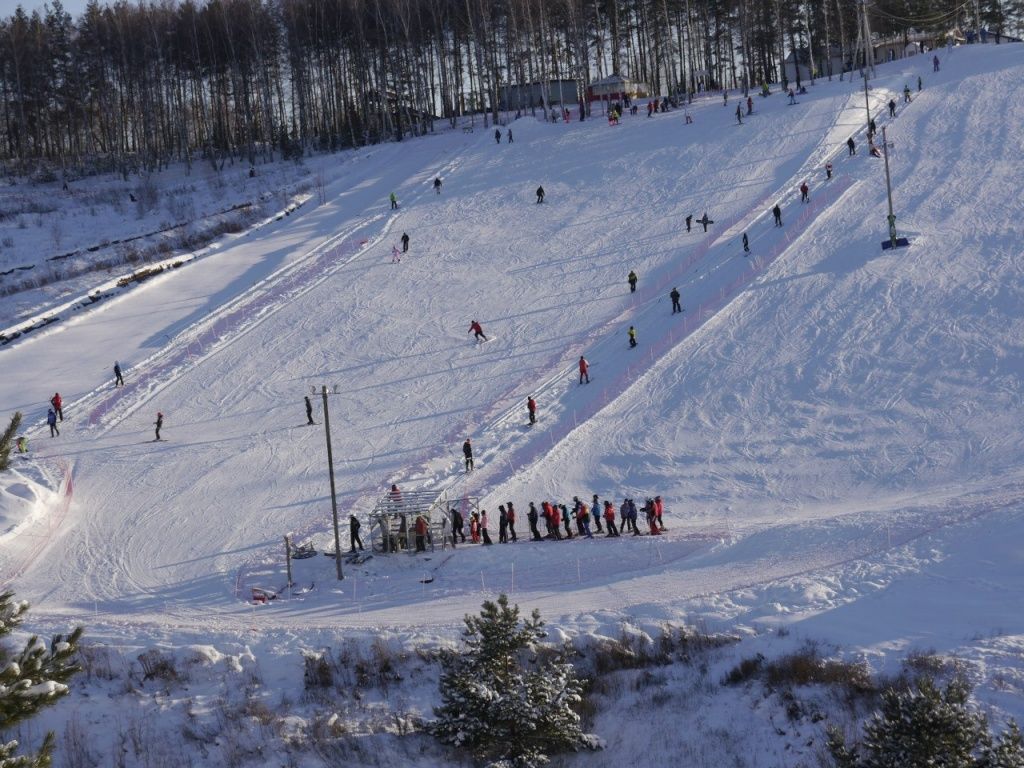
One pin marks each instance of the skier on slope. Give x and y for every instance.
(804, 190)
(394, 201)
(309, 412)
(852, 146)
(477, 330)
(631, 279)
(750, 105)
(540, 194)
(51, 420)
(609, 519)
(508, 137)
(746, 243)
(935, 63)
(396, 255)
(467, 452)
(906, 93)
(158, 423)
(405, 242)
(595, 510)
(676, 307)
(704, 221)
(118, 379)
(892, 107)
(632, 337)
(584, 369)
(739, 114)
(659, 509)
(531, 409)
(689, 221)
(502, 525)
(777, 213)
(437, 184)
(497, 136)
(828, 170)
(57, 404)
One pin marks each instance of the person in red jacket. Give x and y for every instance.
(57, 404)
(609, 519)
(421, 534)
(804, 189)
(659, 508)
(531, 407)
(584, 369)
(477, 331)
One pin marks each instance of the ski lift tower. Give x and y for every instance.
(893, 241)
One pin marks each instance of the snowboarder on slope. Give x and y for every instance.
(309, 412)
(632, 337)
(467, 451)
(584, 369)
(118, 379)
(477, 331)
(540, 194)
(405, 242)
(675, 301)
(353, 534)
(158, 423)
(51, 420)
(531, 408)
(777, 213)
(57, 404)
(631, 279)
(804, 189)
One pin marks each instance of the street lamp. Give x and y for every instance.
(330, 469)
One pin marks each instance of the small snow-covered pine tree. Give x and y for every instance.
(7, 440)
(30, 680)
(928, 727)
(1007, 752)
(501, 700)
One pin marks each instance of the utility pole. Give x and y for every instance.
(334, 496)
(869, 60)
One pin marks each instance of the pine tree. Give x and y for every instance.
(928, 727)
(1007, 752)
(31, 680)
(503, 700)
(7, 440)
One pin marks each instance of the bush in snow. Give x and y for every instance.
(501, 701)
(30, 680)
(928, 727)
(7, 442)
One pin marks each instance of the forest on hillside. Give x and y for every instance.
(136, 86)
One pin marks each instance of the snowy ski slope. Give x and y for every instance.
(836, 430)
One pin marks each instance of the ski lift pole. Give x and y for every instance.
(888, 190)
(334, 496)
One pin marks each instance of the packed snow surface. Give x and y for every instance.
(836, 429)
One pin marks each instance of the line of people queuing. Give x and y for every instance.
(580, 521)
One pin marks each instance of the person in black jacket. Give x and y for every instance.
(309, 412)
(353, 534)
(532, 517)
(405, 242)
(458, 526)
(467, 451)
(540, 194)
